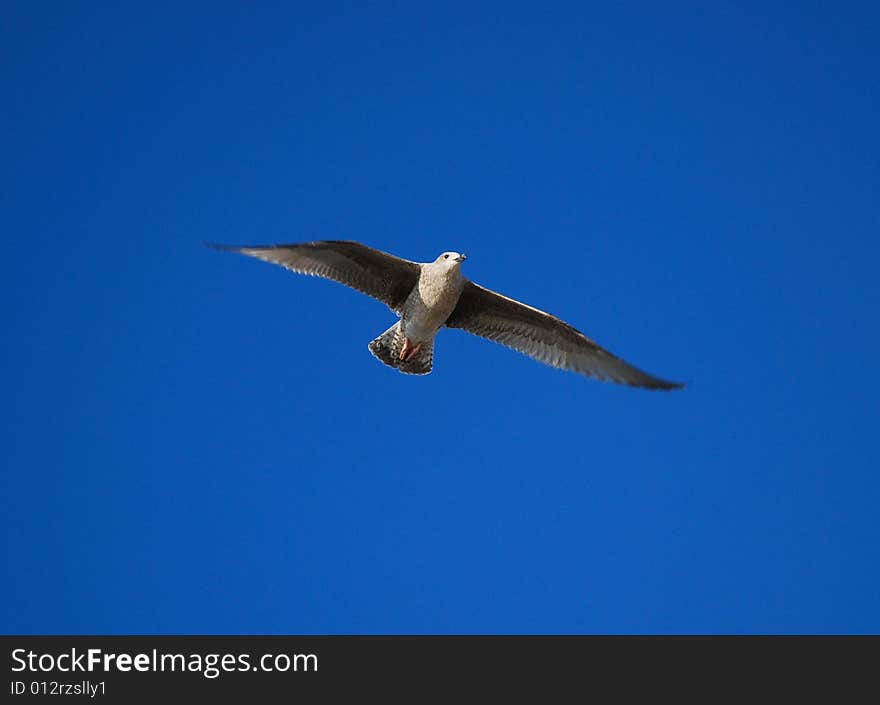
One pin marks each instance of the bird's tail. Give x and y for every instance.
(387, 348)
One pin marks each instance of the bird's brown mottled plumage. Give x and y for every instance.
(477, 310)
(372, 272)
(543, 337)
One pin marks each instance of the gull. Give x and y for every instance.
(427, 296)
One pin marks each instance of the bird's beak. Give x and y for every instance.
(461, 258)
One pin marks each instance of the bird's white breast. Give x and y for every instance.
(431, 302)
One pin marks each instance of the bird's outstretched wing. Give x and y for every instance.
(378, 274)
(544, 337)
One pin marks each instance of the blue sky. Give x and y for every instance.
(196, 442)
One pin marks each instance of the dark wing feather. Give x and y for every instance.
(378, 274)
(543, 337)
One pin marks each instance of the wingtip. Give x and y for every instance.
(661, 385)
(653, 384)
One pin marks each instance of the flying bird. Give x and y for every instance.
(430, 295)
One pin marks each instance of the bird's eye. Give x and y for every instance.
(445, 256)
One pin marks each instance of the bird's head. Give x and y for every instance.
(450, 260)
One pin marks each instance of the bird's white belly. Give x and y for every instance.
(428, 307)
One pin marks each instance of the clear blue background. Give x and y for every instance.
(199, 442)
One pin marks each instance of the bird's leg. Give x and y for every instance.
(409, 350)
